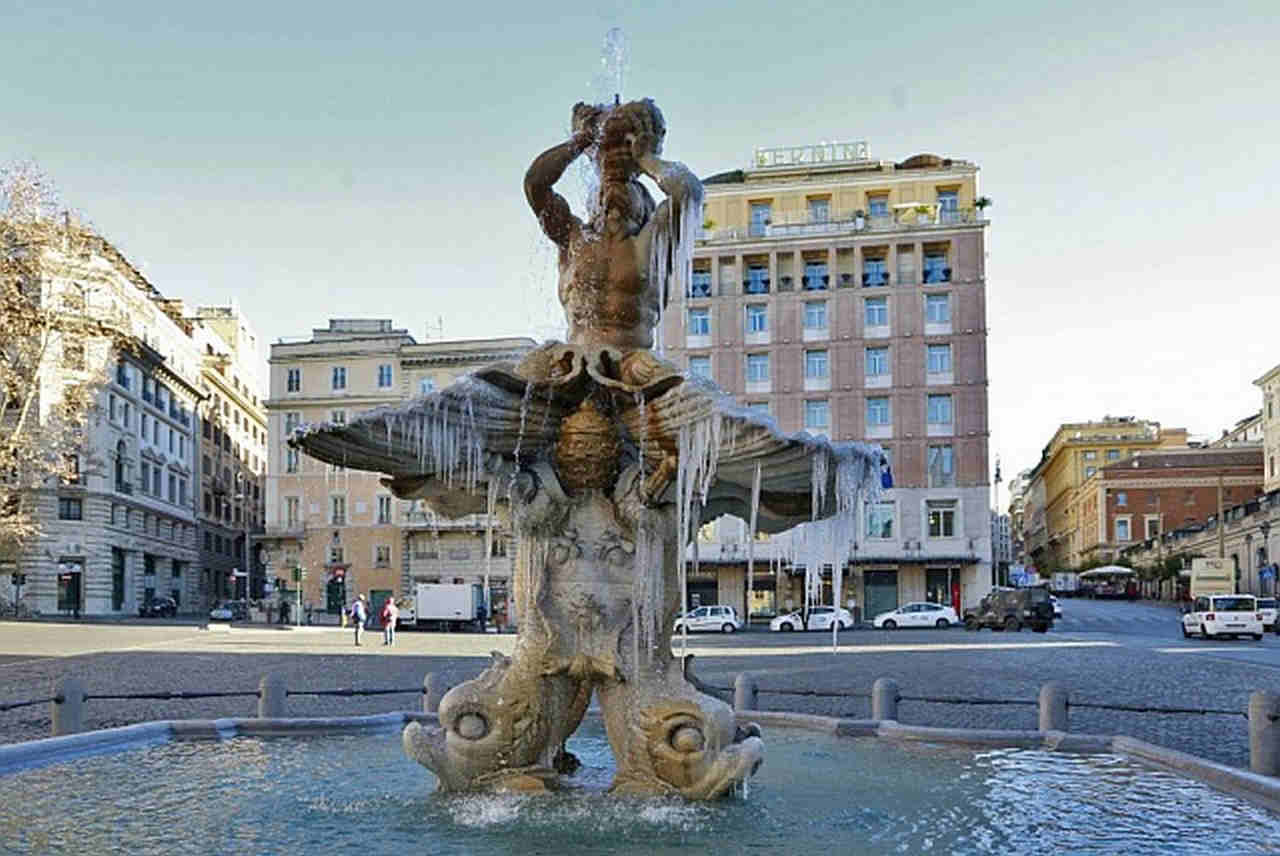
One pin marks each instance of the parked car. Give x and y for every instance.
(1268, 607)
(722, 618)
(820, 618)
(919, 614)
(1005, 609)
(1057, 607)
(158, 607)
(230, 610)
(1220, 615)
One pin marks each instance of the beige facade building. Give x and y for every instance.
(846, 296)
(343, 527)
(1269, 384)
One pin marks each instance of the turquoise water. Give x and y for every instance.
(361, 794)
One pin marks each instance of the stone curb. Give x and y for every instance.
(1260, 790)
(53, 750)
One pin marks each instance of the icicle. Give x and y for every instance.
(491, 511)
(751, 540)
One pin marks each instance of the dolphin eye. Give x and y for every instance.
(472, 726)
(687, 738)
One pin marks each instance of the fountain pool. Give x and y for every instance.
(340, 793)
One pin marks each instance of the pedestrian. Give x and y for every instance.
(389, 615)
(359, 614)
(284, 612)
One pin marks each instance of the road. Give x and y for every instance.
(1103, 651)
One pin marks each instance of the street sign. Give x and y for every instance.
(1267, 572)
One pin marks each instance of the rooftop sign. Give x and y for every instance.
(815, 153)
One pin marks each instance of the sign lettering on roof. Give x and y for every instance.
(815, 153)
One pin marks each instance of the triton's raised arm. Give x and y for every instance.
(558, 222)
(680, 185)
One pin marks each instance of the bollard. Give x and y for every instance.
(884, 699)
(436, 685)
(746, 692)
(1053, 707)
(1264, 733)
(68, 714)
(272, 694)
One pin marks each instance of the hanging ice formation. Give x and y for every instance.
(671, 257)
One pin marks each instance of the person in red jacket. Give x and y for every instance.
(390, 612)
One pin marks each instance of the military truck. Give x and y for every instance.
(1012, 609)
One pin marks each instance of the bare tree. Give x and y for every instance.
(53, 351)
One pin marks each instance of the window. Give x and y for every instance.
(292, 419)
(208, 542)
(208, 503)
(760, 218)
(1122, 499)
(338, 417)
(700, 322)
(144, 483)
(339, 377)
(939, 410)
(948, 206)
(878, 205)
(819, 210)
(815, 315)
(875, 271)
(757, 318)
(290, 460)
(942, 518)
(382, 556)
(815, 365)
(815, 276)
(935, 268)
(1089, 471)
(1113, 454)
(112, 410)
(70, 508)
(700, 366)
(172, 437)
(757, 368)
(1122, 529)
(148, 390)
(880, 520)
(293, 380)
(1090, 455)
(173, 488)
(335, 554)
(875, 312)
(1153, 527)
(426, 385)
(157, 478)
(942, 466)
(761, 407)
(384, 376)
(384, 509)
(878, 411)
(817, 416)
(877, 362)
(338, 510)
(937, 308)
(182, 492)
(939, 359)
(700, 284)
(291, 512)
(757, 280)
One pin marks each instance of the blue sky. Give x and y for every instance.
(367, 161)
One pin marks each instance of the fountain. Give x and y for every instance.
(608, 458)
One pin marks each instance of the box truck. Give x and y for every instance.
(445, 606)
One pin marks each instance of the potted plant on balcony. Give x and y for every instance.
(708, 224)
(922, 213)
(981, 203)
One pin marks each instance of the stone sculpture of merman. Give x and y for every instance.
(607, 457)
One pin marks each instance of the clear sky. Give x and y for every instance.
(314, 163)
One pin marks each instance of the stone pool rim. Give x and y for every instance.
(1259, 790)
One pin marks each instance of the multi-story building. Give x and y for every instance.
(1152, 492)
(125, 530)
(1017, 513)
(1269, 383)
(233, 453)
(1001, 545)
(1073, 455)
(846, 296)
(344, 527)
(1246, 432)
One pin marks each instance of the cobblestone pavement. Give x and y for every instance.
(1114, 653)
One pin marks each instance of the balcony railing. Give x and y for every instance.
(786, 226)
(124, 487)
(937, 275)
(875, 279)
(433, 521)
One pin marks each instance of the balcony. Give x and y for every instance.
(757, 285)
(124, 487)
(934, 276)
(904, 218)
(815, 283)
(430, 520)
(875, 279)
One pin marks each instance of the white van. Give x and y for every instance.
(1214, 616)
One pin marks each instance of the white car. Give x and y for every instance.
(918, 614)
(1268, 607)
(1057, 607)
(722, 618)
(820, 618)
(1219, 615)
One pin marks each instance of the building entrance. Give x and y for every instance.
(881, 592)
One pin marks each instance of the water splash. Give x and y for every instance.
(607, 83)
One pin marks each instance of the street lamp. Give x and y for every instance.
(242, 497)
